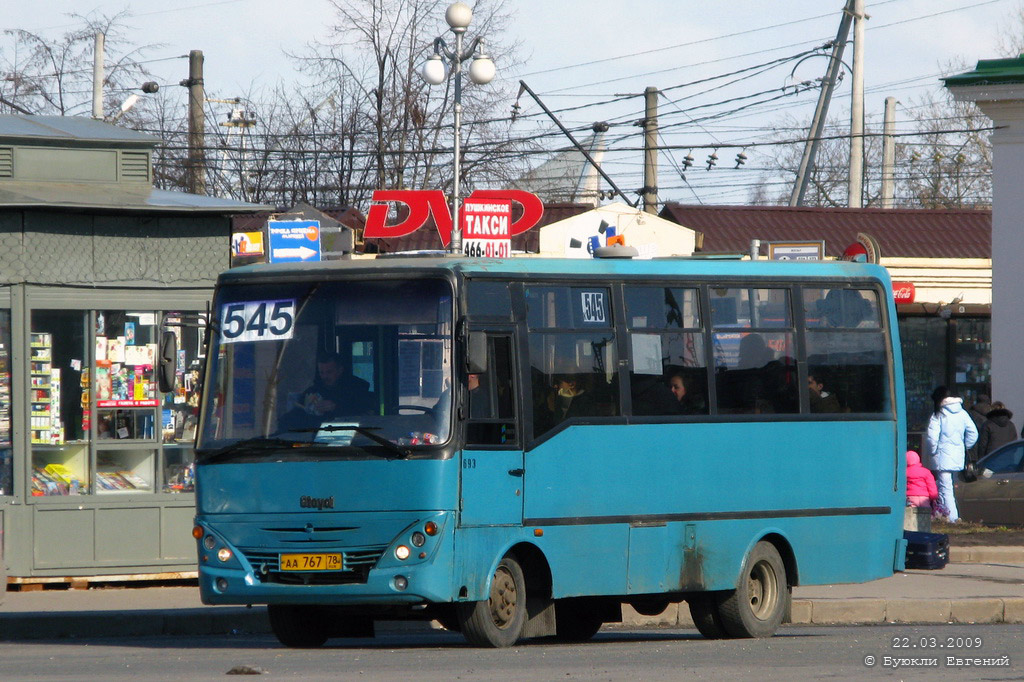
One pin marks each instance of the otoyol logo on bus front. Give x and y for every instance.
(308, 502)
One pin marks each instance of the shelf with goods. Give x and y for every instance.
(179, 468)
(120, 472)
(972, 359)
(5, 397)
(60, 469)
(44, 380)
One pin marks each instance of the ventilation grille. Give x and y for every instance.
(135, 166)
(6, 162)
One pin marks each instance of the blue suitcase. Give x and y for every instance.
(926, 550)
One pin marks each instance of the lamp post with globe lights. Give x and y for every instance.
(481, 72)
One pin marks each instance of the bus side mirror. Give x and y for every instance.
(168, 362)
(476, 353)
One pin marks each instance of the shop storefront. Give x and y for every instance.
(953, 351)
(96, 462)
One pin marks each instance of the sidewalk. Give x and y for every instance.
(980, 585)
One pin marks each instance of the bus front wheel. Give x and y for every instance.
(758, 604)
(300, 627)
(498, 621)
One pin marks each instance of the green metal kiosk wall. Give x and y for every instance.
(94, 461)
(98, 456)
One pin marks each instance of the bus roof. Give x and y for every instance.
(610, 267)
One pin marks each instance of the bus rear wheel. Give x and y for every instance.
(300, 627)
(704, 612)
(498, 621)
(759, 603)
(575, 622)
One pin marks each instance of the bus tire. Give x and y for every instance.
(299, 627)
(497, 622)
(705, 615)
(575, 622)
(761, 599)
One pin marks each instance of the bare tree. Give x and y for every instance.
(391, 123)
(42, 76)
(949, 164)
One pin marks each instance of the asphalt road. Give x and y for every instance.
(796, 653)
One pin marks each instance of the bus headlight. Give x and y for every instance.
(209, 542)
(402, 552)
(224, 554)
(418, 539)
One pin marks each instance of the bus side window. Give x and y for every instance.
(754, 351)
(846, 349)
(667, 368)
(491, 398)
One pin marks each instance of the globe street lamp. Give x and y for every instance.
(481, 72)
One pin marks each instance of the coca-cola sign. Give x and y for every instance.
(904, 292)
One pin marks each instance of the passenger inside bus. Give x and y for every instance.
(335, 392)
(479, 400)
(687, 399)
(821, 400)
(570, 396)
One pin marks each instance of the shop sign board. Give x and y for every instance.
(422, 205)
(864, 250)
(486, 228)
(796, 250)
(294, 241)
(904, 292)
(247, 244)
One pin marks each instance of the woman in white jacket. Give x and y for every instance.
(950, 432)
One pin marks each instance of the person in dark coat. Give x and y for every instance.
(998, 429)
(978, 412)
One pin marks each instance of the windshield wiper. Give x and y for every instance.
(366, 431)
(258, 443)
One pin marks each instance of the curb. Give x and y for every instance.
(89, 624)
(865, 611)
(241, 620)
(986, 555)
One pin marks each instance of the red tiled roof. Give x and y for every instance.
(906, 233)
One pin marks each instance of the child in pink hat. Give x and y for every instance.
(921, 489)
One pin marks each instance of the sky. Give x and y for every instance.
(575, 52)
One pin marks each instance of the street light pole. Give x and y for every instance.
(481, 72)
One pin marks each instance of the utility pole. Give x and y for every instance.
(835, 64)
(856, 190)
(196, 166)
(889, 153)
(650, 190)
(97, 77)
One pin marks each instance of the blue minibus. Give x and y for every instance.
(517, 448)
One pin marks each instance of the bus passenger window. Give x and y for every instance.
(754, 351)
(668, 374)
(846, 347)
(573, 362)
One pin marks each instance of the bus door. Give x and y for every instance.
(492, 460)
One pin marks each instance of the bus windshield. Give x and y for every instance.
(343, 364)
